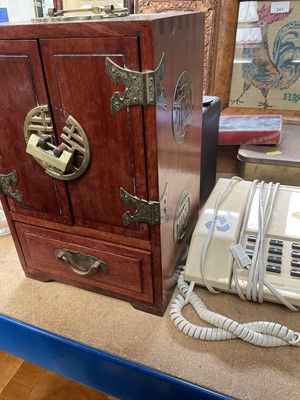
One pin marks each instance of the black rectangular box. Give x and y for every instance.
(210, 130)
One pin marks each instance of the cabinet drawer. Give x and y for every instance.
(126, 273)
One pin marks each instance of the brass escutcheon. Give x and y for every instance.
(182, 216)
(182, 107)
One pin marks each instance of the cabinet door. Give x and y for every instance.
(79, 85)
(22, 88)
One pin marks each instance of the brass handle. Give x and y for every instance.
(53, 12)
(60, 162)
(80, 263)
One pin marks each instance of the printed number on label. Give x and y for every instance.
(282, 7)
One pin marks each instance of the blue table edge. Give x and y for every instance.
(92, 367)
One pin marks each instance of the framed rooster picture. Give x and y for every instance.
(259, 59)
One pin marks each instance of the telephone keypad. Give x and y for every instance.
(295, 263)
(276, 255)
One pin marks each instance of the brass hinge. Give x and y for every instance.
(141, 88)
(6, 181)
(150, 212)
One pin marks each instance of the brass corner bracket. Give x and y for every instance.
(6, 181)
(141, 88)
(150, 212)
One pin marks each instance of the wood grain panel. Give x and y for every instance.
(20, 380)
(80, 86)
(129, 270)
(52, 386)
(179, 163)
(9, 365)
(23, 88)
(21, 383)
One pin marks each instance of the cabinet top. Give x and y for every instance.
(134, 24)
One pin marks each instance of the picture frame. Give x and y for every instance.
(211, 9)
(224, 63)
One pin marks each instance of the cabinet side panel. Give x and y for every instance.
(179, 131)
(23, 88)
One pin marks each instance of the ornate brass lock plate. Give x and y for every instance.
(58, 161)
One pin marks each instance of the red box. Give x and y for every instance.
(250, 129)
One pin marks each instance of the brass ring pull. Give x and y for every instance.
(80, 263)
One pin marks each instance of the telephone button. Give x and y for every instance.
(252, 238)
(296, 246)
(250, 247)
(295, 254)
(274, 250)
(273, 268)
(295, 272)
(275, 260)
(275, 242)
(249, 254)
(295, 263)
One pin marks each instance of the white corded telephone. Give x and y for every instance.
(246, 241)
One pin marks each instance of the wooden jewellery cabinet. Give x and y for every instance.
(100, 130)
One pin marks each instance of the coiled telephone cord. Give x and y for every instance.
(261, 333)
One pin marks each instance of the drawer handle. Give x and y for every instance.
(80, 263)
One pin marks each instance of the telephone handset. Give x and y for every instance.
(246, 241)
